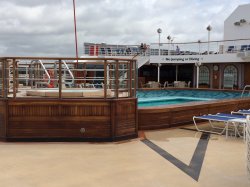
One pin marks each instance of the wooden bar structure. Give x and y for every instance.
(108, 118)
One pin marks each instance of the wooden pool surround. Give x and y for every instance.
(176, 115)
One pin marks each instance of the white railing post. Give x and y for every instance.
(159, 71)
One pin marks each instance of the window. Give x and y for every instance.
(230, 75)
(204, 75)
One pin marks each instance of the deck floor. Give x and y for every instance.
(171, 157)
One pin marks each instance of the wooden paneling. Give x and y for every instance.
(153, 119)
(246, 74)
(243, 104)
(170, 116)
(48, 119)
(3, 120)
(182, 114)
(125, 118)
(223, 106)
(58, 119)
(216, 77)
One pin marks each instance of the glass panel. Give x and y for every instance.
(204, 75)
(230, 75)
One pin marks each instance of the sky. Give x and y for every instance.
(46, 27)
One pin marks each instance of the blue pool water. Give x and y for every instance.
(168, 97)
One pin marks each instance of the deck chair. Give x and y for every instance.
(242, 112)
(230, 121)
(188, 84)
(167, 84)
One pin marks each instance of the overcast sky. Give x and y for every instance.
(46, 27)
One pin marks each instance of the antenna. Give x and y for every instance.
(74, 7)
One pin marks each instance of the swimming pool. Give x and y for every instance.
(169, 97)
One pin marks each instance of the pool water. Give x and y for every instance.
(169, 97)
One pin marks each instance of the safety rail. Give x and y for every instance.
(200, 48)
(169, 48)
(89, 77)
(70, 73)
(92, 49)
(243, 91)
(33, 62)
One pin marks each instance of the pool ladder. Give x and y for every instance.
(243, 91)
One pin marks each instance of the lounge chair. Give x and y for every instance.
(242, 112)
(228, 119)
(243, 48)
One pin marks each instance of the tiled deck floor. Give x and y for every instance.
(126, 164)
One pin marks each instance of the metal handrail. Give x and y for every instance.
(71, 74)
(44, 68)
(242, 93)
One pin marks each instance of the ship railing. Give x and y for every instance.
(243, 93)
(200, 47)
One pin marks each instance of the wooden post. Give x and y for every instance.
(60, 79)
(134, 71)
(105, 79)
(117, 79)
(14, 78)
(4, 77)
(130, 78)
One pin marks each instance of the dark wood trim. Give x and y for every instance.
(70, 139)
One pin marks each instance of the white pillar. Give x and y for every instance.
(159, 71)
(197, 64)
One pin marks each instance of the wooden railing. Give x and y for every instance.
(92, 77)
